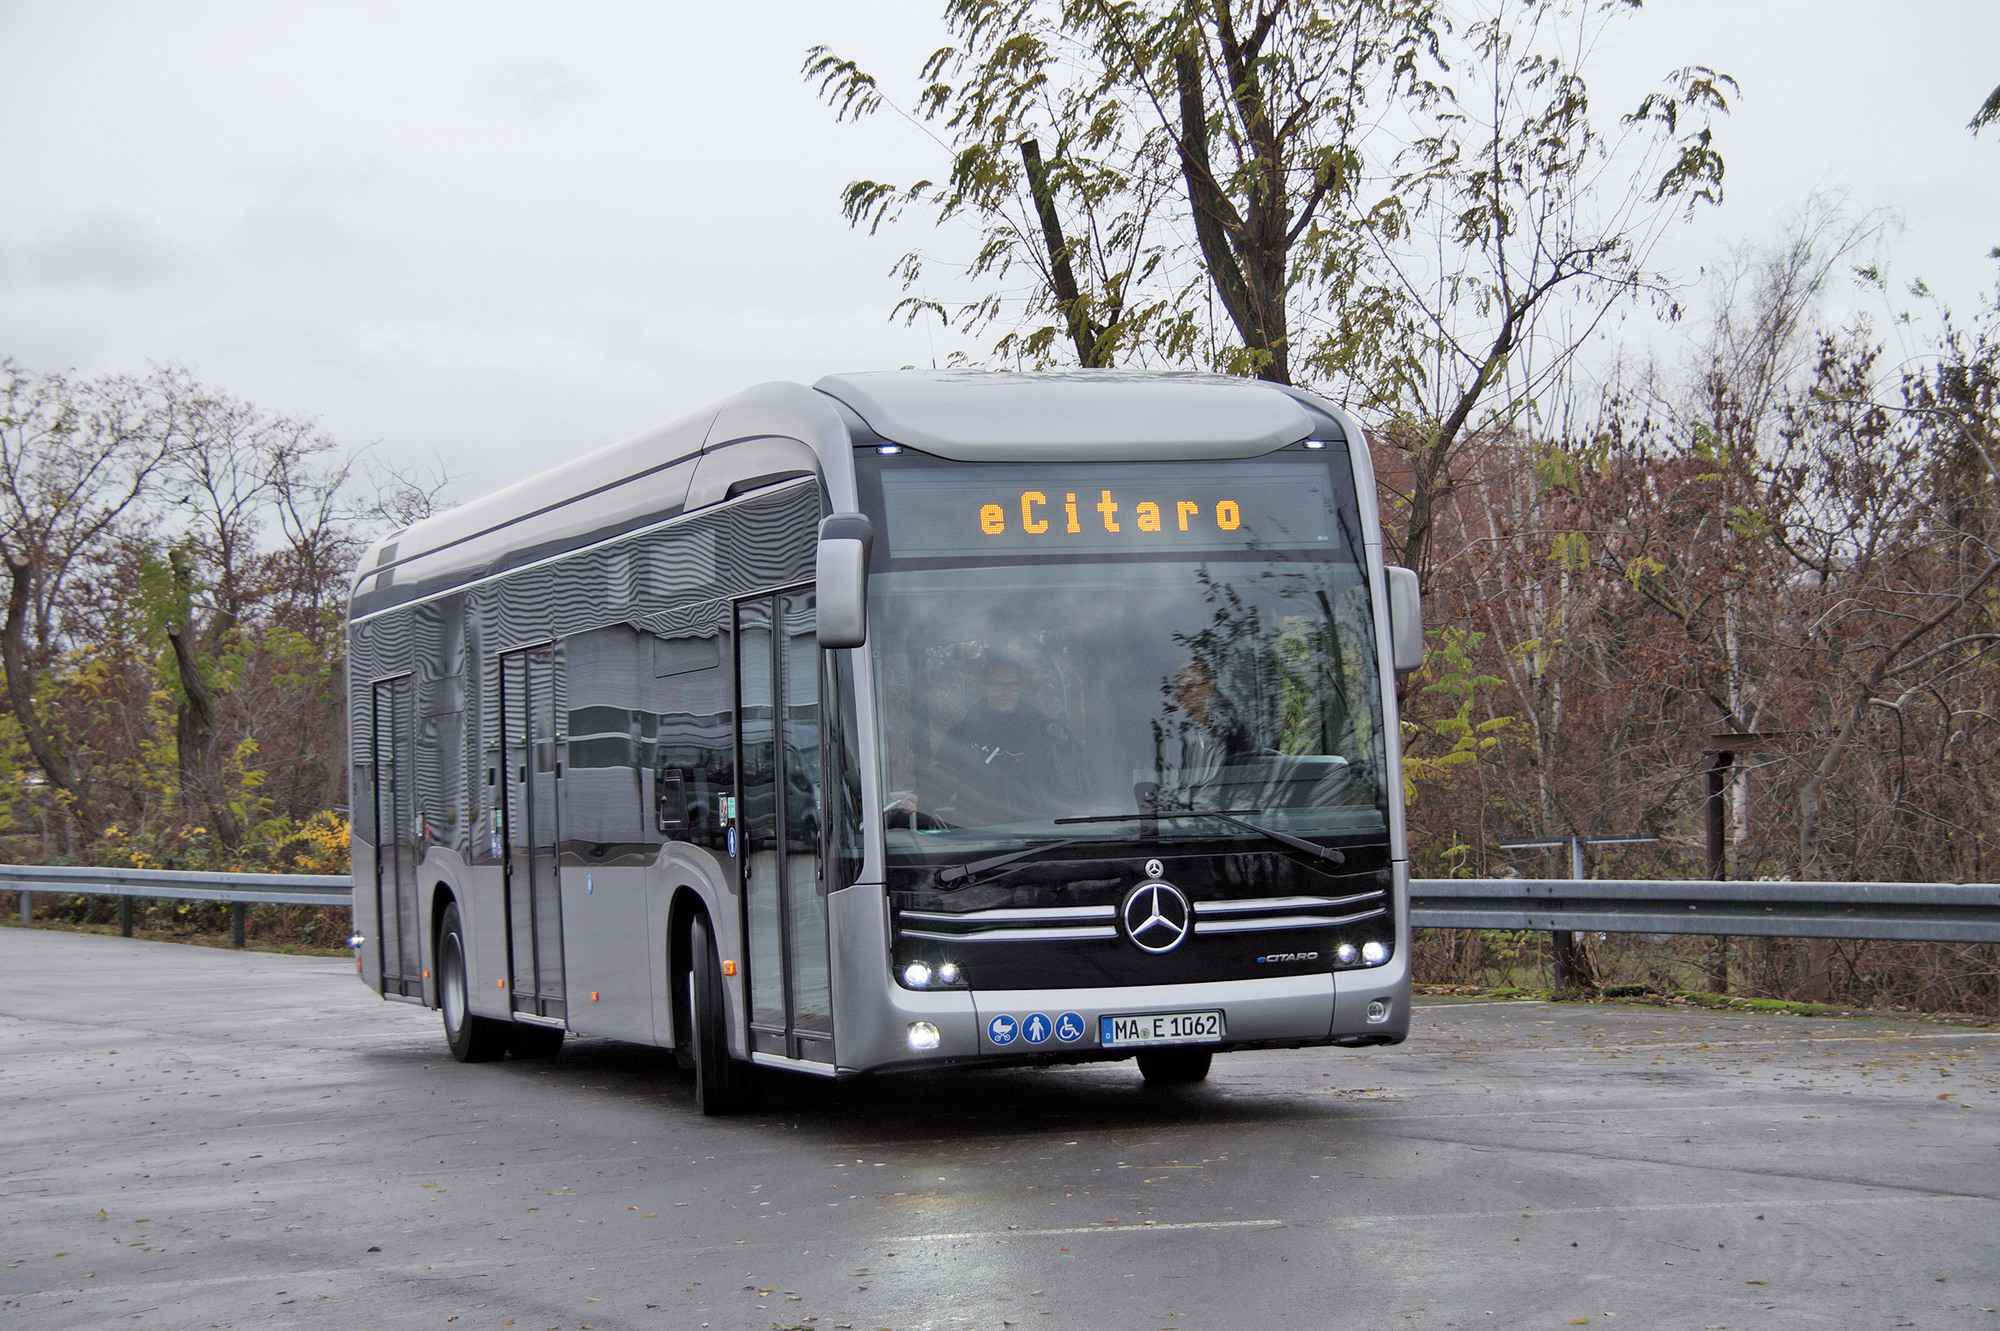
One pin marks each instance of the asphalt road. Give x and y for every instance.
(199, 1138)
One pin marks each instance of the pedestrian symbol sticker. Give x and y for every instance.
(1035, 1029)
(1069, 1027)
(1002, 1030)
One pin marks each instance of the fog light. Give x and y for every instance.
(1378, 1011)
(917, 975)
(1374, 953)
(948, 973)
(1345, 954)
(923, 1035)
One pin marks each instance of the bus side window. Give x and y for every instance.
(694, 757)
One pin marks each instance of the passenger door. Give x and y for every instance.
(398, 938)
(778, 813)
(530, 776)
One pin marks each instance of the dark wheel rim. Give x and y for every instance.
(451, 979)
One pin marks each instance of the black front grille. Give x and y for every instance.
(1056, 924)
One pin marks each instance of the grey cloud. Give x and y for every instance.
(108, 248)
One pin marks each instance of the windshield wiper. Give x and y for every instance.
(1225, 815)
(956, 876)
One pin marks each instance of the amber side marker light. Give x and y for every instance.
(729, 968)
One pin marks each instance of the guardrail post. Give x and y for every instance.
(1562, 943)
(1719, 767)
(125, 916)
(27, 909)
(237, 910)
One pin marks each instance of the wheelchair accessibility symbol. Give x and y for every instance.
(1069, 1027)
(1002, 1030)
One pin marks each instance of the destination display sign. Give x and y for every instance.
(946, 512)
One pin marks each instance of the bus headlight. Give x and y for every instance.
(948, 973)
(918, 976)
(923, 1035)
(1374, 954)
(1345, 954)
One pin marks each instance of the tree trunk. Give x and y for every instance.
(21, 697)
(1083, 332)
(197, 736)
(1249, 276)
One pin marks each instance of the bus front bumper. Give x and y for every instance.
(1363, 1007)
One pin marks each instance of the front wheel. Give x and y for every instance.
(1175, 1067)
(472, 1039)
(722, 1085)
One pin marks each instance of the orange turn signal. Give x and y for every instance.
(593, 995)
(729, 968)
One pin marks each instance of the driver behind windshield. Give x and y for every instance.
(1005, 761)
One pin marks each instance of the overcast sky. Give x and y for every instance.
(507, 233)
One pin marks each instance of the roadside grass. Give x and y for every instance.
(1635, 995)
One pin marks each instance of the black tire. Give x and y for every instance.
(1175, 1067)
(472, 1039)
(722, 1085)
(526, 1041)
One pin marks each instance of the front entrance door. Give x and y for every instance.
(777, 673)
(531, 774)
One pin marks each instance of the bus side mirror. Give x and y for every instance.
(842, 577)
(1406, 619)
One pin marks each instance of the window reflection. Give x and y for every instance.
(1011, 696)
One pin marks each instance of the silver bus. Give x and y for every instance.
(907, 720)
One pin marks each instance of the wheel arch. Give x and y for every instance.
(443, 897)
(687, 905)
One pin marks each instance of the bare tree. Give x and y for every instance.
(1402, 211)
(237, 472)
(1515, 223)
(78, 459)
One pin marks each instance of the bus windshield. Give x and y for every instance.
(1023, 681)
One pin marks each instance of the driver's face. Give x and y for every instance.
(1003, 690)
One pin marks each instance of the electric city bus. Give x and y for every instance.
(907, 720)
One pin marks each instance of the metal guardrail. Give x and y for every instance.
(238, 889)
(1900, 912)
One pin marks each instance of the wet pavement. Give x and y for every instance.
(200, 1138)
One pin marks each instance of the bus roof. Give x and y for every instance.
(1108, 415)
(965, 415)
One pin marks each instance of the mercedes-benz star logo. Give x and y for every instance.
(1156, 917)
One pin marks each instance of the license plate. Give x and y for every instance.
(1160, 1028)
